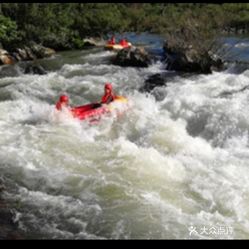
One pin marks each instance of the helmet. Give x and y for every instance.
(63, 98)
(108, 86)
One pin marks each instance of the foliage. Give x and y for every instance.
(64, 25)
(8, 31)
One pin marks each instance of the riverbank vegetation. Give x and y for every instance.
(192, 30)
(63, 26)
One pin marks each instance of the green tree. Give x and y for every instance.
(8, 31)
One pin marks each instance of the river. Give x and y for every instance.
(174, 167)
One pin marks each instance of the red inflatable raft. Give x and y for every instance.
(95, 110)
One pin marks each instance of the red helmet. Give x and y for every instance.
(63, 98)
(108, 86)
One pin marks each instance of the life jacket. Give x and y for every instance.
(107, 98)
(60, 104)
(123, 43)
(112, 41)
(63, 101)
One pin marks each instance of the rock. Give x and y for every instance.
(35, 69)
(89, 43)
(8, 228)
(33, 52)
(132, 57)
(41, 51)
(189, 60)
(24, 53)
(30, 54)
(6, 58)
(48, 52)
(153, 81)
(93, 42)
(3, 52)
(17, 56)
(21, 53)
(218, 65)
(159, 79)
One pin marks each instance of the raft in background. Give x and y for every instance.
(117, 46)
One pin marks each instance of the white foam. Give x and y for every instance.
(242, 45)
(152, 173)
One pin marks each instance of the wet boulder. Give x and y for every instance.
(24, 54)
(32, 52)
(190, 60)
(8, 228)
(89, 42)
(132, 57)
(159, 80)
(93, 42)
(153, 81)
(17, 56)
(6, 58)
(35, 69)
(20, 54)
(41, 52)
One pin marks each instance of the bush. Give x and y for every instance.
(8, 31)
(55, 24)
(195, 29)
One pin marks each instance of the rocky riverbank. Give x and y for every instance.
(26, 53)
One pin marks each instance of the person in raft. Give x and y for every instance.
(109, 95)
(124, 43)
(112, 41)
(63, 102)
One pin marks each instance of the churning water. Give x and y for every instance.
(171, 168)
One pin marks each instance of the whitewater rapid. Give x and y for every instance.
(169, 168)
